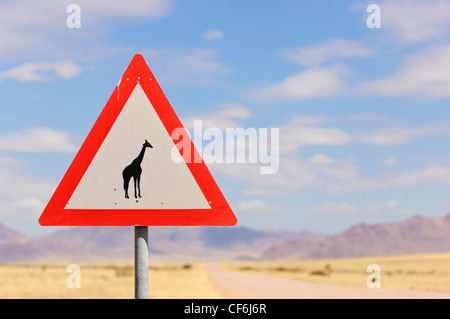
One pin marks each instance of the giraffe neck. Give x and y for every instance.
(138, 159)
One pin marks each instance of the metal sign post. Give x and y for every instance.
(141, 262)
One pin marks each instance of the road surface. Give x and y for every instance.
(248, 285)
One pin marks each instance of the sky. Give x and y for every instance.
(362, 108)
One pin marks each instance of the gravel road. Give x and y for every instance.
(248, 285)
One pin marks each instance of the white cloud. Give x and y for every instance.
(392, 203)
(312, 83)
(388, 161)
(342, 178)
(293, 174)
(40, 72)
(233, 110)
(256, 205)
(292, 137)
(304, 130)
(407, 211)
(213, 34)
(33, 203)
(41, 25)
(201, 61)
(396, 136)
(196, 67)
(323, 159)
(21, 194)
(352, 181)
(223, 118)
(314, 120)
(307, 120)
(334, 207)
(428, 175)
(371, 117)
(412, 21)
(333, 175)
(129, 9)
(37, 140)
(424, 74)
(390, 206)
(318, 54)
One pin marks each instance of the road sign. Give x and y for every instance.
(131, 169)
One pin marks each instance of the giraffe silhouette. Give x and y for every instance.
(134, 170)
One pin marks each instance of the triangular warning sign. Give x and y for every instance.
(131, 169)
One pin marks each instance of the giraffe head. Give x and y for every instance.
(147, 144)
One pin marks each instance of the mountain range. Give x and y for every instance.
(417, 234)
(116, 243)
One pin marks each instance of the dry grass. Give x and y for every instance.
(189, 280)
(166, 280)
(422, 272)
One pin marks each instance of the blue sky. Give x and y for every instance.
(363, 113)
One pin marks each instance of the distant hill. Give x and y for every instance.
(102, 244)
(416, 235)
(9, 236)
(107, 244)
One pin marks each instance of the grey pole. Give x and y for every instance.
(141, 262)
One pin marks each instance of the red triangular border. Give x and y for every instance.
(55, 213)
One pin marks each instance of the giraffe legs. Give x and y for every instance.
(126, 182)
(137, 186)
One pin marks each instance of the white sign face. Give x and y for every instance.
(137, 148)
